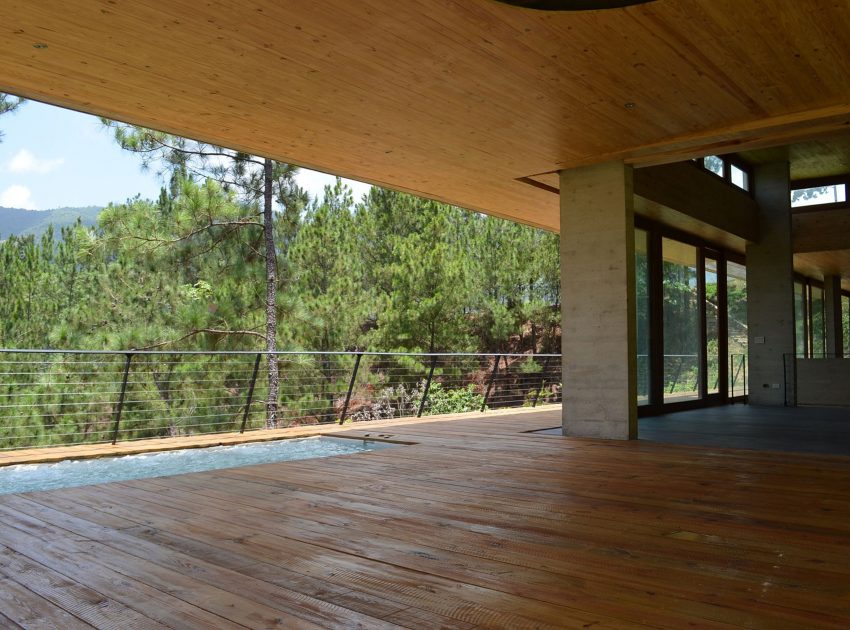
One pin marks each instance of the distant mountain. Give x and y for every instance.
(20, 222)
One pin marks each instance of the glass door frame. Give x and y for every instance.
(655, 234)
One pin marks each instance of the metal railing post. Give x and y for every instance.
(490, 383)
(542, 383)
(427, 386)
(350, 387)
(732, 375)
(250, 398)
(120, 406)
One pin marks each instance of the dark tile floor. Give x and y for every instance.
(793, 429)
(798, 429)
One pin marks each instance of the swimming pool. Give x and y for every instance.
(84, 472)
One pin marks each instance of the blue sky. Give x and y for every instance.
(52, 157)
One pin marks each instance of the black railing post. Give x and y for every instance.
(120, 406)
(250, 398)
(350, 387)
(542, 383)
(490, 383)
(732, 375)
(678, 372)
(427, 386)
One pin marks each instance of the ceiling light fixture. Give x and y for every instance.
(572, 5)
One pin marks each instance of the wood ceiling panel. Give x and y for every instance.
(819, 264)
(823, 157)
(451, 100)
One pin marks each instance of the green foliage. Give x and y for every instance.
(459, 400)
(187, 271)
(8, 104)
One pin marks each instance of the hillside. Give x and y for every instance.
(20, 222)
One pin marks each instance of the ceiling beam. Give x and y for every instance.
(821, 230)
(698, 194)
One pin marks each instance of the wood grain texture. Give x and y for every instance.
(827, 263)
(477, 525)
(451, 100)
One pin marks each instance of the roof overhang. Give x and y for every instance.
(457, 101)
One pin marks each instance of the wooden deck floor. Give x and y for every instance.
(477, 525)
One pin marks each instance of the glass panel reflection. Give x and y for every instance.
(642, 290)
(681, 307)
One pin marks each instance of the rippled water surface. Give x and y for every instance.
(84, 472)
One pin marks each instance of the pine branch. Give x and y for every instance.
(198, 331)
(193, 233)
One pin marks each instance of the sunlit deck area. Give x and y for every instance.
(477, 524)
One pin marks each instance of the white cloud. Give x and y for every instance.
(25, 162)
(314, 183)
(17, 197)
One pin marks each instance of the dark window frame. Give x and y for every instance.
(655, 233)
(817, 182)
(729, 160)
(808, 315)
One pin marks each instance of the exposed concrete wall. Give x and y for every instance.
(598, 302)
(823, 382)
(832, 315)
(770, 287)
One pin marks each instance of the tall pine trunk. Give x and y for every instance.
(271, 297)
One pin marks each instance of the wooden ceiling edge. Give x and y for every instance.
(72, 105)
(759, 134)
(541, 185)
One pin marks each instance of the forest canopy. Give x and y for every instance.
(390, 272)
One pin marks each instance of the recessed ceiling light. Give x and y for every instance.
(572, 5)
(39, 45)
(629, 105)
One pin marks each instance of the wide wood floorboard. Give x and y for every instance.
(476, 524)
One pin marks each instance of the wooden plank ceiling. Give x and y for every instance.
(453, 100)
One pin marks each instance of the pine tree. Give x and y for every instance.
(253, 181)
(9, 103)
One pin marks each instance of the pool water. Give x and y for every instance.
(84, 472)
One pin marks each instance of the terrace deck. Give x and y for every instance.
(476, 525)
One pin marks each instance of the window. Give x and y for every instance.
(729, 168)
(712, 327)
(809, 318)
(691, 321)
(682, 340)
(736, 335)
(642, 289)
(818, 195)
(800, 319)
(817, 323)
(714, 164)
(739, 177)
(845, 323)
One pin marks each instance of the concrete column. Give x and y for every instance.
(832, 315)
(770, 288)
(598, 302)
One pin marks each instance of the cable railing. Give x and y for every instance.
(681, 377)
(738, 382)
(63, 397)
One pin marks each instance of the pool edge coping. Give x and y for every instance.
(53, 454)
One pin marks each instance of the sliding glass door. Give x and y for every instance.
(682, 347)
(691, 315)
